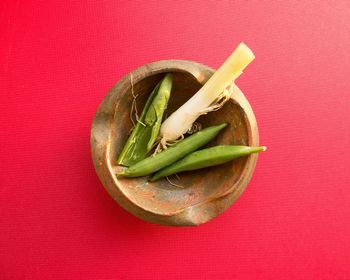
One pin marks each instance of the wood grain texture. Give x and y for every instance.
(207, 192)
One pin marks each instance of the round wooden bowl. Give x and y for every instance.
(206, 193)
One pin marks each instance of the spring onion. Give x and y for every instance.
(214, 93)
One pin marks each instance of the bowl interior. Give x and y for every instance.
(163, 197)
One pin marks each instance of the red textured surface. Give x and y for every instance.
(57, 61)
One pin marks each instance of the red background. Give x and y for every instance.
(59, 59)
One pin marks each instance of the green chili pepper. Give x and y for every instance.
(205, 158)
(147, 128)
(166, 157)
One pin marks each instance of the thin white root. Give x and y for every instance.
(219, 102)
(195, 128)
(131, 114)
(172, 143)
(133, 110)
(158, 149)
(165, 143)
(141, 123)
(173, 184)
(134, 96)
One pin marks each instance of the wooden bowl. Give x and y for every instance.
(206, 193)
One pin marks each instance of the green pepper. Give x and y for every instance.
(147, 128)
(166, 157)
(206, 158)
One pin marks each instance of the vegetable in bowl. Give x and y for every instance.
(175, 153)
